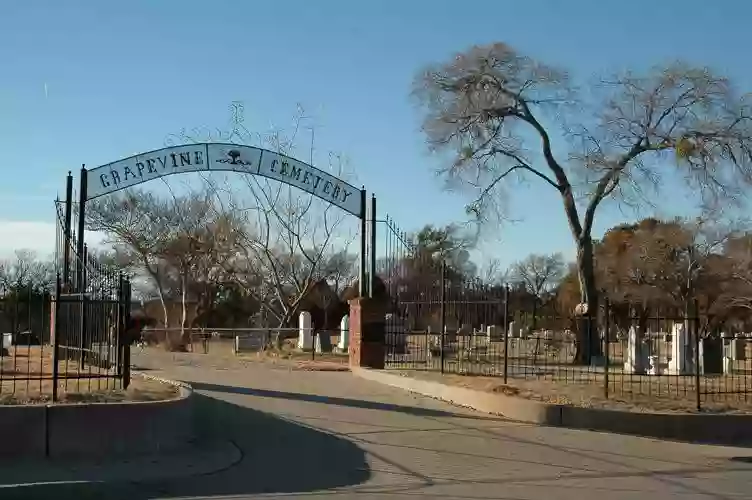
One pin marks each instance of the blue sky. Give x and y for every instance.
(94, 81)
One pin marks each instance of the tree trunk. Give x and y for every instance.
(164, 308)
(587, 343)
(183, 314)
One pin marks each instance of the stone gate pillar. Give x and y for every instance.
(367, 347)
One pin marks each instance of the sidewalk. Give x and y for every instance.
(710, 428)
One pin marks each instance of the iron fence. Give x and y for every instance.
(469, 329)
(321, 344)
(440, 321)
(72, 338)
(25, 353)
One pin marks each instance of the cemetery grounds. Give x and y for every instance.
(540, 367)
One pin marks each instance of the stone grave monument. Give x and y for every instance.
(305, 332)
(344, 334)
(681, 351)
(636, 358)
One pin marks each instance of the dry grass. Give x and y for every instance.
(26, 378)
(542, 369)
(626, 393)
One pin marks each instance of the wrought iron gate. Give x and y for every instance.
(90, 313)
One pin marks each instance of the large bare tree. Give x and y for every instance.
(487, 103)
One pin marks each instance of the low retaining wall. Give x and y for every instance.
(97, 429)
(731, 429)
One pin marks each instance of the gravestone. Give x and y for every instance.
(245, 343)
(512, 333)
(737, 349)
(636, 361)
(323, 342)
(450, 335)
(305, 332)
(711, 356)
(654, 366)
(734, 349)
(493, 334)
(344, 334)
(681, 351)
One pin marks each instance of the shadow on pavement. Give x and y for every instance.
(333, 400)
(279, 456)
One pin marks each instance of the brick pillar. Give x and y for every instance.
(367, 333)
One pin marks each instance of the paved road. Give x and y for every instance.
(322, 434)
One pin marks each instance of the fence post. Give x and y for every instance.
(442, 333)
(81, 228)
(696, 323)
(363, 289)
(506, 332)
(607, 327)
(67, 229)
(126, 305)
(372, 251)
(120, 326)
(83, 327)
(56, 341)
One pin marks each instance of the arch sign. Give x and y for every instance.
(201, 157)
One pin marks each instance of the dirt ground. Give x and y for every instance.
(26, 378)
(673, 398)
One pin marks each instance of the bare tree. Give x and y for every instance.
(26, 270)
(340, 270)
(482, 103)
(134, 221)
(174, 242)
(539, 274)
(493, 273)
(286, 239)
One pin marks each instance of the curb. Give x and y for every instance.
(694, 428)
(186, 390)
(99, 429)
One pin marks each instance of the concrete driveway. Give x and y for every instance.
(328, 434)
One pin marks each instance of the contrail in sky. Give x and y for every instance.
(45, 90)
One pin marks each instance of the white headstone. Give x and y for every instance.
(728, 366)
(344, 333)
(305, 332)
(736, 350)
(512, 333)
(654, 366)
(636, 360)
(681, 355)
